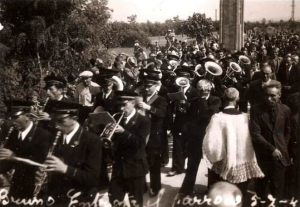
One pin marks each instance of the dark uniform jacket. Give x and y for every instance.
(266, 137)
(83, 156)
(35, 147)
(108, 103)
(130, 155)
(156, 114)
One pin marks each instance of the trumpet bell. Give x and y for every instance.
(182, 81)
(245, 60)
(213, 68)
(118, 83)
(235, 67)
(174, 64)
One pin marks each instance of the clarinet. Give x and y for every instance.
(39, 184)
(4, 142)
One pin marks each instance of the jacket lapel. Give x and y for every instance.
(75, 140)
(132, 121)
(265, 117)
(30, 134)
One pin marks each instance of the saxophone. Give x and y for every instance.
(39, 184)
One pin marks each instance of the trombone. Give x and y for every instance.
(108, 132)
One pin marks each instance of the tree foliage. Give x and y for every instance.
(198, 26)
(40, 37)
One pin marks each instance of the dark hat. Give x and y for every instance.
(18, 107)
(112, 72)
(160, 55)
(62, 109)
(126, 95)
(145, 73)
(150, 80)
(105, 79)
(184, 71)
(55, 80)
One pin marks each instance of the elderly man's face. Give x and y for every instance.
(272, 96)
(204, 89)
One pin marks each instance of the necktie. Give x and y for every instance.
(287, 75)
(272, 115)
(20, 136)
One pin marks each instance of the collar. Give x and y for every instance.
(130, 116)
(68, 137)
(263, 83)
(158, 88)
(26, 131)
(207, 97)
(229, 107)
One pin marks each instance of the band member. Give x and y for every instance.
(179, 108)
(199, 113)
(227, 147)
(154, 107)
(55, 88)
(23, 140)
(130, 166)
(76, 160)
(270, 131)
(106, 98)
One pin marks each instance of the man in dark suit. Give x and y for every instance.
(286, 74)
(75, 164)
(106, 98)
(276, 60)
(25, 140)
(179, 108)
(130, 166)
(255, 93)
(270, 131)
(154, 107)
(200, 112)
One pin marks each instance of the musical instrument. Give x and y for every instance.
(38, 185)
(118, 83)
(182, 82)
(174, 64)
(108, 132)
(233, 68)
(244, 60)
(4, 142)
(210, 67)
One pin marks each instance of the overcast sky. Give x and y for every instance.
(160, 10)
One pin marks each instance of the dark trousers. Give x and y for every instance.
(274, 176)
(164, 146)
(179, 151)
(189, 181)
(120, 186)
(153, 157)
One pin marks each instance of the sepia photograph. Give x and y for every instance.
(149, 103)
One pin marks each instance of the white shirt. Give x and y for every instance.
(26, 131)
(84, 94)
(130, 116)
(68, 137)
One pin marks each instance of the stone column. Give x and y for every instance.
(232, 24)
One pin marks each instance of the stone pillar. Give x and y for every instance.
(232, 24)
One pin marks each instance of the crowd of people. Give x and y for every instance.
(238, 110)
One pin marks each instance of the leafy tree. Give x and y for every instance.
(132, 19)
(48, 36)
(198, 26)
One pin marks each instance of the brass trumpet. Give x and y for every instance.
(108, 132)
(233, 68)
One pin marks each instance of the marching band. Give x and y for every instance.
(120, 117)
